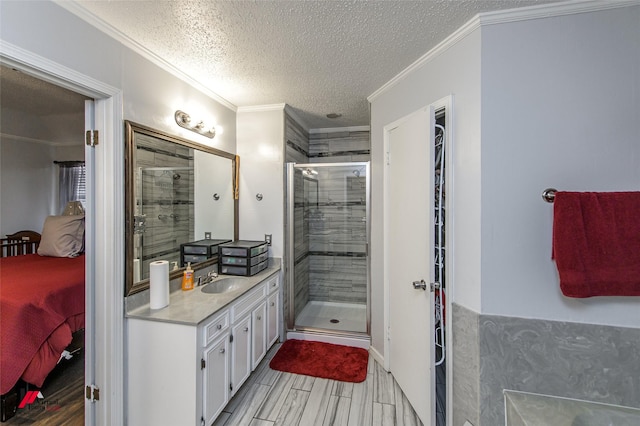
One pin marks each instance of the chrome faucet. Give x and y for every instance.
(209, 278)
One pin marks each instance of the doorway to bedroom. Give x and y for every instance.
(42, 174)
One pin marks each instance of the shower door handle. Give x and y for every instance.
(420, 284)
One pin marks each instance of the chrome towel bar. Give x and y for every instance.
(549, 195)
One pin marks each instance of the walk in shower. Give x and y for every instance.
(327, 236)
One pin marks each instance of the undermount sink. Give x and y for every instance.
(223, 285)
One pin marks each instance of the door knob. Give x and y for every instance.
(420, 284)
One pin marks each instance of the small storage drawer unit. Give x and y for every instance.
(199, 251)
(243, 257)
(244, 261)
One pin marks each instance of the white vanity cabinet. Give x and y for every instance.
(177, 373)
(185, 373)
(273, 311)
(258, 342)
(215, 365)
(241, 356)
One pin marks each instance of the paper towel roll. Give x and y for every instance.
(158, 284)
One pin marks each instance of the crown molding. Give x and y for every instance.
(572, 7)
(502, 17)
(119, 36)
(262, 108)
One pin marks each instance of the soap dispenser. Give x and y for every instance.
(187, 278)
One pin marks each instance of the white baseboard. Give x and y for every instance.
(376, 355)
(357, 342)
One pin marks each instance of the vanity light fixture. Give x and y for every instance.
(184, 120)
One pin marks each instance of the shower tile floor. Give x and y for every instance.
(350, 316)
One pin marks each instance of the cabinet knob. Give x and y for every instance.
(273, 303)
(222, 350)
(246, 329)
(219, 327)
(259, 317)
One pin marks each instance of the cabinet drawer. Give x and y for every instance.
(242, 306)
(215, 328)
(193, 258)
(273, 284)
(196, 249)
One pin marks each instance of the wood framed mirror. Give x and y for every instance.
(176, 192)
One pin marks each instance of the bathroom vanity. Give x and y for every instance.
(188, 359)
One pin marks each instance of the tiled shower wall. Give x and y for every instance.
(330, 248)
(166, 200)
(574, 360)
(297, 150)
(339, 147)
(337, 237)
(338, 232)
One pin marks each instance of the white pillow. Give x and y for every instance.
(62, 236)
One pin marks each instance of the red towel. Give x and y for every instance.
(596, 243)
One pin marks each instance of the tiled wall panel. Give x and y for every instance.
(339, 147)
(591, 362)
(296, 142)
(466, 366)
(584, 361)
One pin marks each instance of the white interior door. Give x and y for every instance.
(410, 259)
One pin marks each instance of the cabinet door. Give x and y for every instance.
(258, 319)
(241, 358)
(273, 325)
(215, 381)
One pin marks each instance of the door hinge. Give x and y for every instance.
(231, 338)
(230, 387)
(92, 137)
(388, 333)
(92, 393)
(203, 364)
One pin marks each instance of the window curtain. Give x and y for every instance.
(71, 183)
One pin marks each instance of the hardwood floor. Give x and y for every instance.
(272, 397)
(63, 403)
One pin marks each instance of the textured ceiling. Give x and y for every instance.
(36, 110)
(318, 57)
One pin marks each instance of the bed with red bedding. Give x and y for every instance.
(41, 305)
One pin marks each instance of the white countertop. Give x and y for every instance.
(194, 306)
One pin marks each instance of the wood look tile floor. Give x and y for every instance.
(63, 403)
(272, 397)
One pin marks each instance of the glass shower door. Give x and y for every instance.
(328, 225)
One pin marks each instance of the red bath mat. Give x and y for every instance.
(326, 360)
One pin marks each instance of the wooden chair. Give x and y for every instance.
(22, 242)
